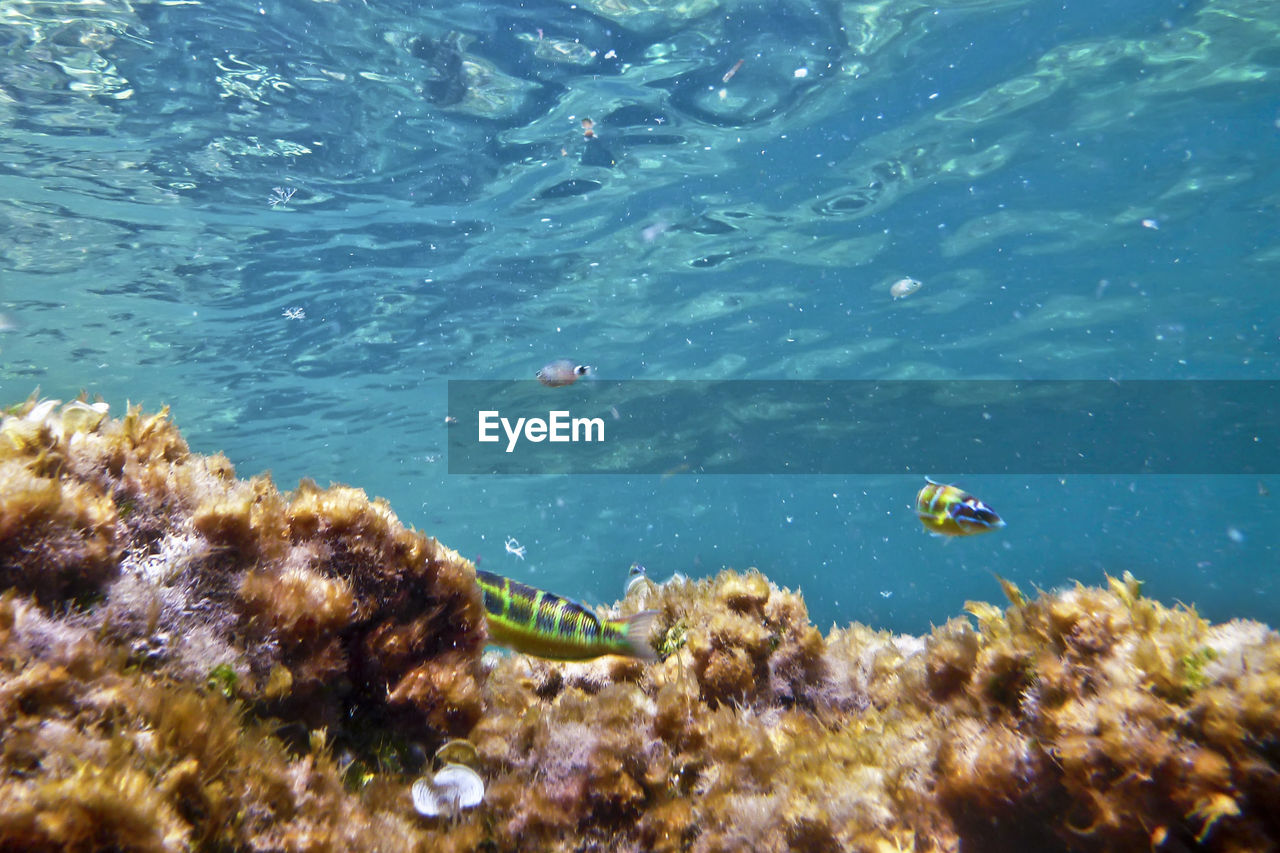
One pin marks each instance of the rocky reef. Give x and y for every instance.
(193, 661)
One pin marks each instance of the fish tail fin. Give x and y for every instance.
(636, 635)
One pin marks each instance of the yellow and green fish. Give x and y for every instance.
(534, 622)
(949, 511)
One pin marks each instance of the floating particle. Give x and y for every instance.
(454, 787)
(1236, 535)
(280, 196)
(1151, 223)
(732, 71)
(903, 287)
(654, 231)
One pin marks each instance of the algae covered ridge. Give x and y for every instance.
(191, 661)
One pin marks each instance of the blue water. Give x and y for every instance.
(1085, 190)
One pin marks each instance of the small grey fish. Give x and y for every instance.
(562, 372)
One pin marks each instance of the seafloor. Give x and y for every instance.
(190, 661)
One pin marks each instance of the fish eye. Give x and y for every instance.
(582, 370)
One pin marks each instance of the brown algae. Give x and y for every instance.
(190, 660)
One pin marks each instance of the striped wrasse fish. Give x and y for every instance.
(948, 511)
(534, 622)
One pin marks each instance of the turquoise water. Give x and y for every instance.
(1085, 190)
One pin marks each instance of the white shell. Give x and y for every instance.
(78, 416)
(453, 788)
(424, 798)
(42, 410)
(457, 751)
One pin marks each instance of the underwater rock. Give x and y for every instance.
(1075, 721)
(193, 661)
(58, 539)
(156, 570)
